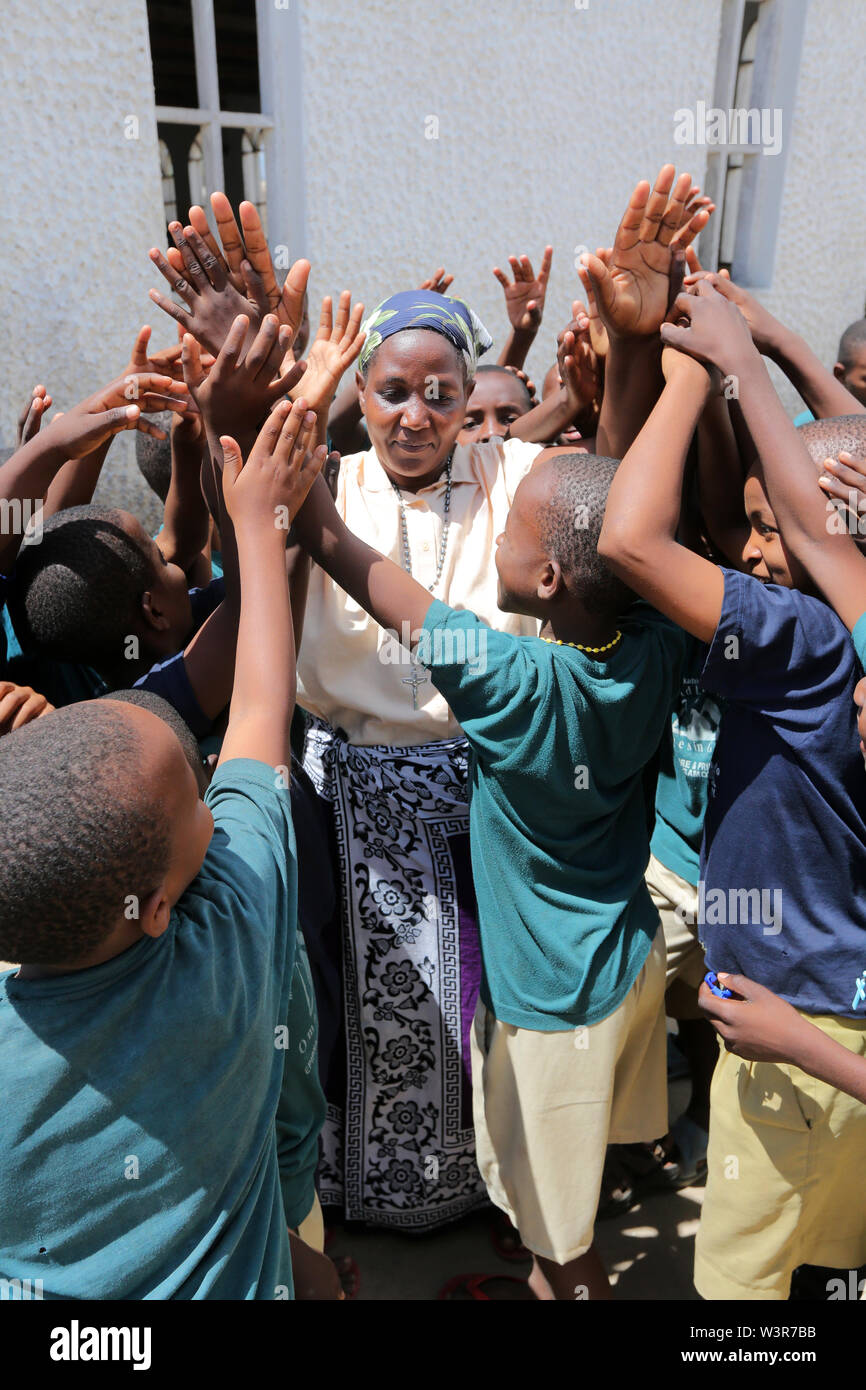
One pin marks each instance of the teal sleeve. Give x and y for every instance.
(487, 677)
(858, 637)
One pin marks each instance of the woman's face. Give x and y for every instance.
(414, 402)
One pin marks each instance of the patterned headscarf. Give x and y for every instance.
(426, 309)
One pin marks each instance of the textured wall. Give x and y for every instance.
(81, 205)
(547, 114)
(819, 281)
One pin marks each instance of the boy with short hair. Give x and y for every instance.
(158, 935)
(783, 890)
(568, 1047)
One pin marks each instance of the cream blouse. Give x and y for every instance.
(350, 671)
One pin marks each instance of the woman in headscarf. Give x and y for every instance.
(389, 761)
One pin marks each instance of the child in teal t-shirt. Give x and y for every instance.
(568, 1045)
(157, 937)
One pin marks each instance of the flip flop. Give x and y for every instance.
(472, 1286)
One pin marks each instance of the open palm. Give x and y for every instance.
(633, 288)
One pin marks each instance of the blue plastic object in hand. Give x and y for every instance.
(711, 980)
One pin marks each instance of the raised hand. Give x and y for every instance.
(578, 367)
(19, 704)
(633, 288)
(165, 361)
(714, 330)
(239, 391)
(246, 262)
(762, 325)
(118, 406)
(211, 303)
(588, 319)
(32, 415)
(438, 282)
(279, 472)
(525, 295)
(335, 347)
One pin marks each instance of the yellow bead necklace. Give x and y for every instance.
(591, 651)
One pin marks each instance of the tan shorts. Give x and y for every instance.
(546, 1105)
(785, 1172)
(312, 1229)
(685, 955)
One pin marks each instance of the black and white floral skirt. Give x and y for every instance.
(398, 1145)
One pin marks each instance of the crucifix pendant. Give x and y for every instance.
(414, 680)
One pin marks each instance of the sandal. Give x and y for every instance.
(471, 1286)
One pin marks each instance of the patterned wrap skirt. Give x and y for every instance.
(397, 968)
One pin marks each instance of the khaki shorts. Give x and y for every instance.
(685, 954)
(785, 1172)
(312, 1229)
(546, 1105)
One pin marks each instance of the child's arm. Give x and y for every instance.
(720, 479)
(823, 393)
(639, 535)
(275, 478)
(764, 1028)
(186, 520)
(524, 304)
(29, 473)
(718, 333)
(239, 392)
(386, 591)
(545, 420)
(633, 286)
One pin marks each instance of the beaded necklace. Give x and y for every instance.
(591, 651)
(446, 522)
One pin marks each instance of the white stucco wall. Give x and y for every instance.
(819, 280)
(81, 205)
(548, 115)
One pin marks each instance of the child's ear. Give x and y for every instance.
(839, 371)
(152, 613)
(550, 581)
(361, 385)
(154, 912)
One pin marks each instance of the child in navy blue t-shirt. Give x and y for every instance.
(784, 856)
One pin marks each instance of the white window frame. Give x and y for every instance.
(279, 53)
(781, 24)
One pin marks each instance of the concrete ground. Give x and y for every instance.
(648, 1252)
